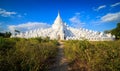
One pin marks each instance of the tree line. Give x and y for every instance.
(6, 34)
(115, 31)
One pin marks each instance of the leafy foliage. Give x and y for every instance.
(93, 56)
(115, 31)
(18, 54)
(6, 34)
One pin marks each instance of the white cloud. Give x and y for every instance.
(110, 17)
(116, 4)
(28, 26)
(76, 22)
(100, 7)
(5, 13)
(0, 26)
(2, 29)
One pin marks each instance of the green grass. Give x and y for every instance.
(93, 56)
(18, 54)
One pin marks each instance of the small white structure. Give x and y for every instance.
(61, 31)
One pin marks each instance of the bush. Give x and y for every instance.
(94, 56)
(26, 54)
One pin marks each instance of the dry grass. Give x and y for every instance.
(93, 56)
(17, 54)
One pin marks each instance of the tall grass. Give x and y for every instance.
(18, 54)
(93, 56)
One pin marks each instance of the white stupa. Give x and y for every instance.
(61, 31)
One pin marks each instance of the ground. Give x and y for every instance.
(61, 63)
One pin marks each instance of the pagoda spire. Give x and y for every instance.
(58, 19)
(58, 13)
(58, 22)
(58, 16)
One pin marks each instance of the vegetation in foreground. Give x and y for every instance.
(93, 56)
(18, 54)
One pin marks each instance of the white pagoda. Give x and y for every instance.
(61, 31)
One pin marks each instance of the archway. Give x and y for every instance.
(58, 37)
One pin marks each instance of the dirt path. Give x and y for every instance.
(60, 61)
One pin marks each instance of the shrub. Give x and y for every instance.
(26, 54)
(94, 56)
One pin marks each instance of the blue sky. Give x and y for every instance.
(98, 15)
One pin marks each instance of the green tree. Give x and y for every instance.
(116, 31)
(6, 34)
(17, 31)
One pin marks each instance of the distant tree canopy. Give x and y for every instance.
(115, 31)
(5, 35)
(17, 31)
